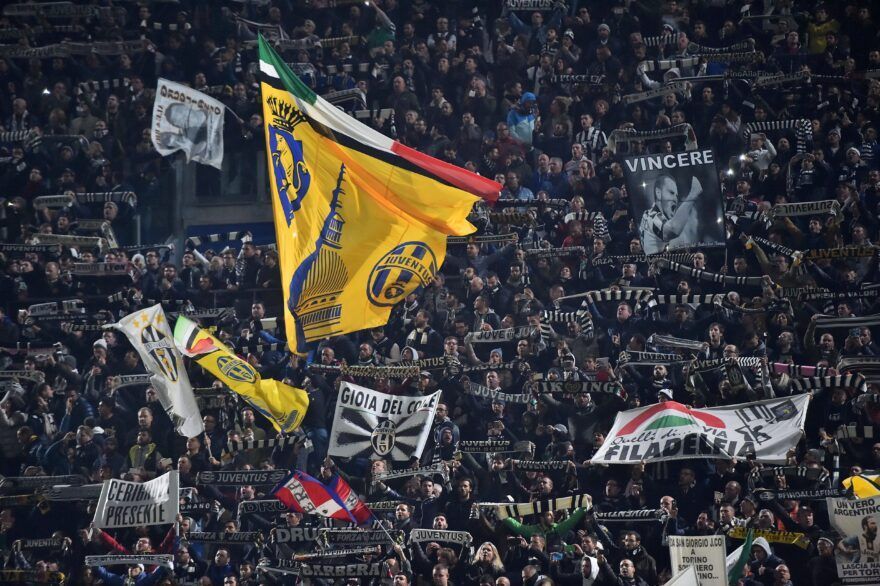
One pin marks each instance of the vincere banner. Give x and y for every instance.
(672, 431)
(676, 199)
(369, 422)
(858, 553)
(131, 504)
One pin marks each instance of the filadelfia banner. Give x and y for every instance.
(672, 431)
(676, 199)
(706, 554)
(858, 553)
(132, 504)
(369, 422)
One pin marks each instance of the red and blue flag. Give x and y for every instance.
(306, 494)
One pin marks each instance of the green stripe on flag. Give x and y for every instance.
(669, 421)
(737, 571)
(293, 83)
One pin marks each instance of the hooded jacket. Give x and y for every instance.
(769, 564)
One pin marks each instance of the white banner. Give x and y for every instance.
(133, 504)
(188, 120)
(148, 332)
(369, 422)
(858, 553)
(685, 577)
(672, 431)
(705, 554)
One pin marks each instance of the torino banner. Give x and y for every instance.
(368, 422)
(676, 199)
(672, 431)
(706, 554)
(858, 553)
(188, 120)
(132, 504)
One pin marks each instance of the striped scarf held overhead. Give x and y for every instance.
(581, 316)
(813, 384)
(630, 135)
(600, 224)
(217, 237)
(673, 342)
(707, 276)
(831, 321)
(636, 358)
(802, 126)
(565, 503)
(635, 294)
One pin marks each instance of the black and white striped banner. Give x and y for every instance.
(831, 321)
(217, 237)
(292, 440)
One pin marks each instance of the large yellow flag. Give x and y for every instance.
(283, 405)
(361, 220)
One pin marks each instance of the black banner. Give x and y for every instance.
(676, 199)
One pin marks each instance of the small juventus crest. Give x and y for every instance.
(383, 437)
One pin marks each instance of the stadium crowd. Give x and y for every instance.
(484, 87)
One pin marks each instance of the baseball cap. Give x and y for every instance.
(665, 392)
(604, 26)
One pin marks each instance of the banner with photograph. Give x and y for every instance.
(672, 431)
(705, 553)
(676, 199)
(858, 553)
(188, 120)
(369, 422)
(132, 504)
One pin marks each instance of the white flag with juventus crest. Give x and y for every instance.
(369, 422)
(149, 333)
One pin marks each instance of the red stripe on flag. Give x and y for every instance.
(486, 188)
(707, 418)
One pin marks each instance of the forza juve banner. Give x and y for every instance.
(148, 332)
(369, 422)
(706, 554)
(858, 553)
(672, 431)
(131, 504)
(188, 120)
(676, 198)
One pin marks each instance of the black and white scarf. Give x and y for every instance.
(64, 307)
(241, 235)
(503, 335)
(673, 342)
(863, 432)
(160, 559)
(613, 388)
(495, 447)
(565, 503)
(223, 537)
(555, 252)
(637, 358)
(441, 535)
(481, 239)
(240, 477)
(831, 321)
(813, 384)
(433, 469)
(266, 507)
(627, 516)
(673, 87)
(630, 135)
(581, 316)
(487, 393)
(707, 276)
(291, 440)
(540, 465)
(802, 126)
(329, 537)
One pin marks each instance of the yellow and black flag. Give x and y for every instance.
(283, 405)
(361, 219)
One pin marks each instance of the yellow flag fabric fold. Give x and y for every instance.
(283, 405)
(359, 226)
